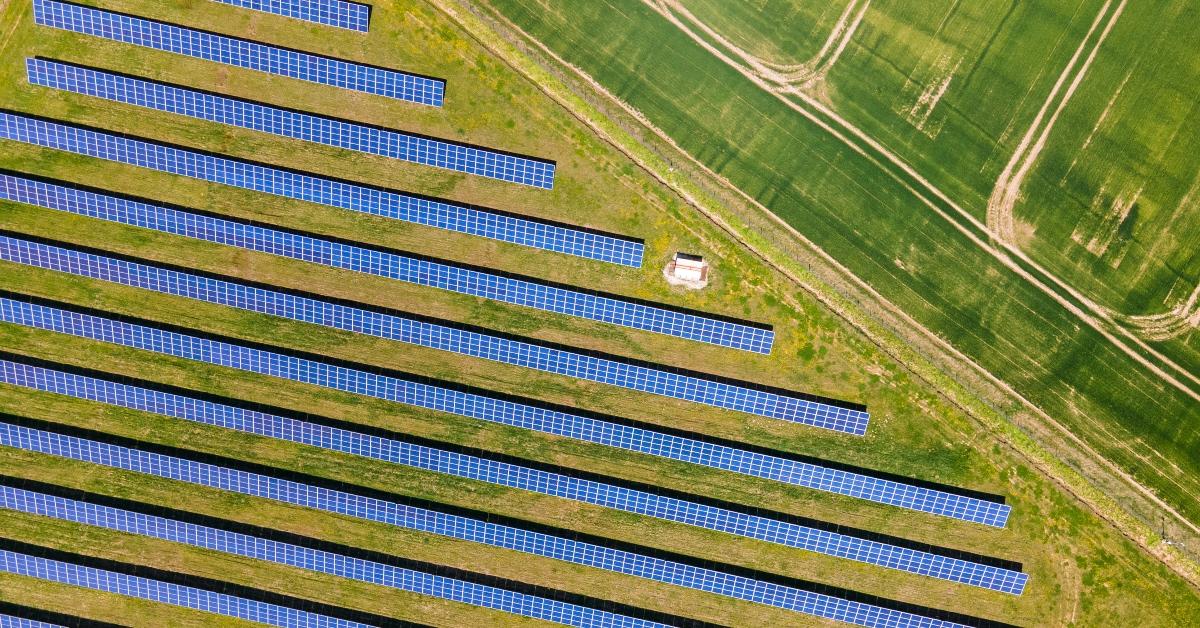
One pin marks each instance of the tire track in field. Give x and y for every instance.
(803, 74)
(1008, 186)
(1004, 252)
(1182, 318)
(828, 55)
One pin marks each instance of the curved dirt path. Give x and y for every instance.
(829, 53)
(1008, 186)
(804, 74)
(1181, 319)
(1006, 253)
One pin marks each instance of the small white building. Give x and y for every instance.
(687, 270)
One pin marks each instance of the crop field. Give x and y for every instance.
(1107, 200)
(1082, 569)
(923, 261)
(1107, 203)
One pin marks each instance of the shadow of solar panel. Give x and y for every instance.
(11, 614)
(295, 185)
(165, 592)
(239, 52)
(653, 568)
(311, 559)
(347, 256)
(550, 483)
(361, 138)
(413, 331)
(339, 13)
(195, 406)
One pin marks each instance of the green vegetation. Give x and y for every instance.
(1125, 137)
(780, 32)
(874, 226)
(1069, 552)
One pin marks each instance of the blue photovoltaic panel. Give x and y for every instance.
(339, 13)
(580, 428)
(263, 424)
(384, 387)
(292, 124)
(329, 192)
(411, 331)
(10, 621)
(624, 562)
(239, 52)
(389, 265)
(166, 592)
(311, 559)
(544, 482)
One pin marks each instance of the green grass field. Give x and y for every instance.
(1125, 137)
(1074, 558)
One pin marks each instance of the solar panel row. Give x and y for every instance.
(568, 487)
(293, 430)
(12, 621)
(584, 429)
(239, 52)
(339, 13)
(390, 265)
(442, 215)
(292, 124)
(166, 592)
(312, 559)
(425, 334)
(472, 530)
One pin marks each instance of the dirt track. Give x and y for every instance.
(798, 75)
(1008, 186)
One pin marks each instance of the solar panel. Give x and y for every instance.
(166, 592)
(349, 196)
(339, 13)
(12, 621)
(545, 482)
(572, 426)
(390, 265)
(292, 124)
(582, 553)
(315, 560)
(426, 334)
(239, 52)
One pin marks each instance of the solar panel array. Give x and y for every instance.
(346, 441)
(425, 334)
(166, 592)
(239, 52)
(389, 265)
(582, 553)
(304, 187)
(315, 560)
(548, 483)
(462, 158)
(339, 13)
(292, 124)
(12, 621)
(588, 430)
